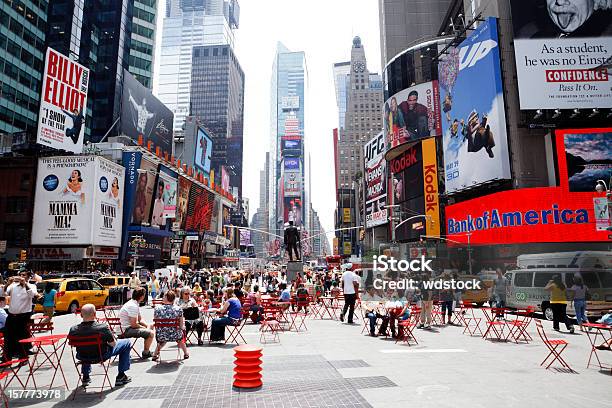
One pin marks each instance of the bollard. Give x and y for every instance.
(247, 370)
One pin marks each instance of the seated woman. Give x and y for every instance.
(187, 302)
(197, 289)
(209, 297)
(167, 310)
(254, 299)
(230, 312)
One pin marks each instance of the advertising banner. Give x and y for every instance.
(199, 209)
(292, 207)
(292, 145)
(245, 237)
(588, 157)
(61, 117)
(291, 163)
(144, 117)
(412, 114)
(560, 50)
(375, 167)
(226, 221)
(544, 214)
(346, 215)
(170, 191)
(407, 170)
(474, 124)
(184, 186)
(145, 190)
(430, 187)
(602, 213)
(293, 184)
(78, 201)
(225, 179)
(203, 151)
(290, 102)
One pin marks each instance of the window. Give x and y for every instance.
(84, 285)
(590, 280)
(72, 285)
(606, 279)
(16, 205)
(542, 279)
(523, 279)
(96, 286)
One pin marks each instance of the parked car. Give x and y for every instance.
(72, 293)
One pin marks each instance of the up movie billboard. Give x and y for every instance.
(78, 201)
(561, 50)
(475, 142)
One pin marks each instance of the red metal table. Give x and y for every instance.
(496, 323)
(52, 347)
(327, 306)
(595, 331)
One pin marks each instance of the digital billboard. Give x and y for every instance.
(184, 187)
(145, 190)
(375, 167)
(203, 151)
(291, 163)
(144, 117)
(292, 207)
(78, 201)
(475, 142)
(170, 191)
(61, 117)
(587, 155)
(561, 48)
(411, 115)
(292, 181)
(199, 209)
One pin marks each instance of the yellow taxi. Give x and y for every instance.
(72, 293)
(475, 296)
(111, 281)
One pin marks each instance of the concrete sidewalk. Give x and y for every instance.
(334, 365)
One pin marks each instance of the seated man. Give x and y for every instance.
(110, 347)
(371, 303)
(285, 295)
(132, 324)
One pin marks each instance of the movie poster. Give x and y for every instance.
(61, 118)
(184, 186)
(475, 142)
(589, 158)
(145, 189)
(78, 201)
(561, 50)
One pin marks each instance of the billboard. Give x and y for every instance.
(225, 179)
(588, 157)
(290, 102)
(407, 170)
(346, 215)
(375, 167)
(170, 191)
(78, 201)
(145, 190)
(560, 49)
(543, 214)
(475, 142)
(291, 163)
(410, 115)
(199, 209)
(226, 221)
(292, 207)
(184, 186)
(61, 117)
(245, 237)
(203, 151)
(143, 116)
(293, 184)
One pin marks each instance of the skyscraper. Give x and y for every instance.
(217, 102)
(288, 198)
(362, 121)
(341, 77)
(188, 24)
(141, 45)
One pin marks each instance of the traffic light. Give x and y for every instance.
(23, 255)
(361, 234)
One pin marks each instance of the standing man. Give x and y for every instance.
(291, 238)
(426, 290)
(22, 295)
(133, 283)
(350, 286)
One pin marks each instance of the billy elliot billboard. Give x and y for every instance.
(475, 142)
(561, 51)
(144, 117)
(61, 117)
(375, 167)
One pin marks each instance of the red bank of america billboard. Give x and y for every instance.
(546, 214)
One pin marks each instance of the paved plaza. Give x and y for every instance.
(334, 365)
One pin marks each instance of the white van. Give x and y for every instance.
(526, 283)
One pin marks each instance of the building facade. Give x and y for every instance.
(217, 102)
(189, 24)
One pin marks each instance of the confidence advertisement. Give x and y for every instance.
(588, 157)
(545, 214)
(144, 117)
(561, 49)
(145, 190)
(184, 186)
(412, 114)
(78, 201)
(203, 151)
(61, 117)
(474, 140)
(376, 181)
(292, 207)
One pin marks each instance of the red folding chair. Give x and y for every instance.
(269, 325)
(3, 376)
(472, 323)
(174, 324)
(518, 326)
(406, 329)
(95, 342)
(156, 302)
(40, 327)
(555, 348)
(235, 331)
(496, 325)
(12, 368)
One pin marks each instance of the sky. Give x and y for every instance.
(324, 30)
